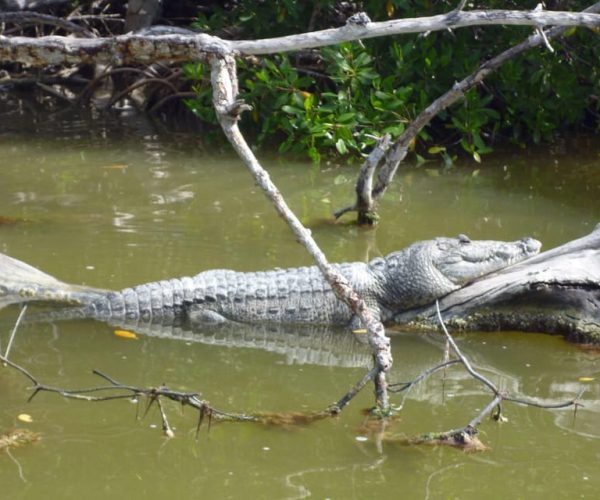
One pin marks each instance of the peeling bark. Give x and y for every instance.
(128, 49)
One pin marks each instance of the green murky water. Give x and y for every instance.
(118, 204)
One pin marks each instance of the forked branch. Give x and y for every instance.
(367, 203)
(466, 437)
(228, 107)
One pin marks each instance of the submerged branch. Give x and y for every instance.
(155, 395)
(466, 437)
(124, 391)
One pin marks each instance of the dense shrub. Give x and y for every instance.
(338, 100)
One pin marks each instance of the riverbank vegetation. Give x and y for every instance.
(338, 100)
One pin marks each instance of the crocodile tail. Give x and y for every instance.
(20, 282)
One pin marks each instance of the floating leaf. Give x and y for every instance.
(125, 334)
(8, 220)
(24, 417)
(586, 379)
(360, 330)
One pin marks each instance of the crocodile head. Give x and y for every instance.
(461, 260)
(428, 270)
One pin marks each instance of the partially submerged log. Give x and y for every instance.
(557, 291)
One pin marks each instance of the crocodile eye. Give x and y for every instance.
(463, 238)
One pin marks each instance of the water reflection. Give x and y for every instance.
(124, 222)
(175, 195)
(298, 344)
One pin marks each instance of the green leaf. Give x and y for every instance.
(346, 117)
(344, 133)
(433, 150)
(291, 110)
(478, 141)
(340, 145)
(363, 59)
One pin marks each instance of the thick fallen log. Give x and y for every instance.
(557, 291)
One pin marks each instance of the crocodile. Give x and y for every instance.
(414, 276)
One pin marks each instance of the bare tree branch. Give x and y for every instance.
(131, 48)
(224, 82)
(399, 149)
(25, 17)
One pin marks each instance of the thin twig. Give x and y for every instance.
(153, 393)
(460, 355)
(408, 386)
(19, 368)
(18, 464)
(138, 84)
(166, 427)
(466, 434)
(167, 98)
(26, 17)
(13, 333)
(339, 406)
(564, 404)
